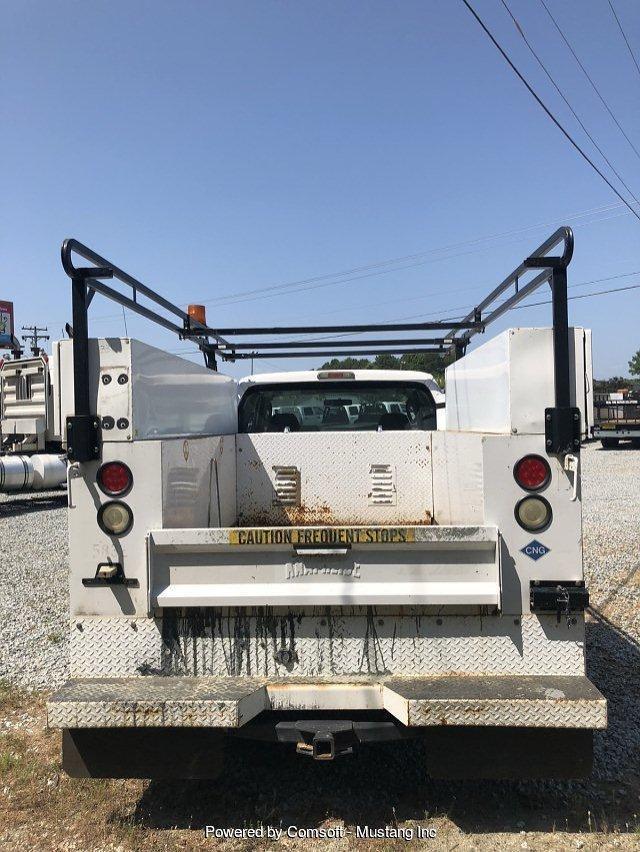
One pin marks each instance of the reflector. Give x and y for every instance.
(533, 513)
(115, 518)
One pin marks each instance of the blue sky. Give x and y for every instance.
(216, 148)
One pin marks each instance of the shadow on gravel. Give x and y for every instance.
(25, 505)
(270, 785)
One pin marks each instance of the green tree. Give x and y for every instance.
(634, 364)
(385, 362)
(613, 384)
(423, 362)
(347, 364)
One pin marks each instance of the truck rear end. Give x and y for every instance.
(325, 579)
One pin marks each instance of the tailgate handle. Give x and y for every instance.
(314, 550)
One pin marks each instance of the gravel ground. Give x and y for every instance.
(262, 787)
(34, 605)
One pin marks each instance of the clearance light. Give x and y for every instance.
(325, 375)
(533, 513)
(532, 473)
(114, 478)
(115, 518)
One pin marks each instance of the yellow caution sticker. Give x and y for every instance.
(322, 536)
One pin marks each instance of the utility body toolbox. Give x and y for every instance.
(322, 565)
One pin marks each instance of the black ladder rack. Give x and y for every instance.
(213, 342)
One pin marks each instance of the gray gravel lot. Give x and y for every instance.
(287, 789)
(34, 605)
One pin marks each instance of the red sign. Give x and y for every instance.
(6, 325)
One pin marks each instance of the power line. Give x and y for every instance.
(565, 99)
(546, 108)
(589, 78)
(584, 296)
(239, 296)
(467, 308)
(594, 211)
(334, 280)
(570, 298)
(626, 40)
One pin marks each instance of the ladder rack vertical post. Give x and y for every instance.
(83, 428)
(561, 364)
(80, 342)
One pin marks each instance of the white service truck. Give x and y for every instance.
(239, 568)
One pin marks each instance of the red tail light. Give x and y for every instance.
(114, 478)
(532, 473)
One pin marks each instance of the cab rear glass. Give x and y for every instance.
(323, 406)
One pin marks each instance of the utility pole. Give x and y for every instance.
(34, 337)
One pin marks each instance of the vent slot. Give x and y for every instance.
(287, 486)
(383, 485)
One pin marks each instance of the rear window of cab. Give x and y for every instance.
(337, 407)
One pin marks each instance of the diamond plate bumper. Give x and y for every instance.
(208, 702)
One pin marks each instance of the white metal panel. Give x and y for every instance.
(532, 387)
(198, 482)
(89, 545)
(458, 496)
(335, 477)
(173, 397)
(148, 393)
(563, 537)
(505, 385)
(477, 389)
(458, 566)
(460, 593)
(588, 412)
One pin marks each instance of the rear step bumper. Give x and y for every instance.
(212, 702)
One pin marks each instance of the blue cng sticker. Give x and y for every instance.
(534, 550)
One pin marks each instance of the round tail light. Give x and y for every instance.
(114, 478)
(533, 513)
(115, 517)
(532, 473)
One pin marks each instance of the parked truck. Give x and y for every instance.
(237, 570)
(31, 456)
(617, 418)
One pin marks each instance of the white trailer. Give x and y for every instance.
(618, 419)
(236, 570)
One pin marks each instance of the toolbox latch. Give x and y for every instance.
(562, 597)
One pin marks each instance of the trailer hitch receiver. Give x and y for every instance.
(326, 742)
